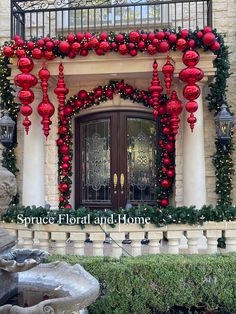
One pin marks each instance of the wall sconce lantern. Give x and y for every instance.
(7, 126)
(224, 125)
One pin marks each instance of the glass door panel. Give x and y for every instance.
(96, 170)
(141, 160)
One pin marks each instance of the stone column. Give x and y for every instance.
(33, 163)
(194, 159)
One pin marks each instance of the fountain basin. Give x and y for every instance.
(68, 288)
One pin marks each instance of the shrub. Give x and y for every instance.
(162, 283)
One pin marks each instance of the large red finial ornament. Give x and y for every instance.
(45, 108)
(174, 108)
(168, 70)
(155, 89)
(191, 91)
(25, 95)
(61, 91)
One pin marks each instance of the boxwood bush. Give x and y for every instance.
(162, 283)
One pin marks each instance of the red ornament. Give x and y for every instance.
(60, 141)
(63, 187)
(98, 92)
(191, 92)
(82, 94)
(166, 161)
(25, 80)
(174, 108)
(172, 38)
(109, 93)
(68, 206)
(49, 45)
(8, 51)
(61, 91)
(104, 46)
(120, 85)
(80, 36)
(20, 53)
(65, 166)
(94, 43)
(164, 46)
(191, 43)
(79, 103)
(181, 44)
(49, 55)
(76, 47)
(71, 38)
(37, 53)
(133, 52)
(104, 36)
(191, 75)
(64, 149)
(184, 33)
(170, 173)
(120, 38)
(168, 70)
(209, 39)
(40, 42)
(151, 36)
(191, 58)
(64, 47)
(215, 46)
(123, 49)
(166, 183)
(155, 89)
(207, 29)
(45, 108)
(169, 147)
(141, 45)
(128, 90)
(164, 202)
(151, 49)
(66, 158)
(25, 64)
(134, 37)
(199, 35)
(160, 35)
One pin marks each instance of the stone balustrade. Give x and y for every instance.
(127, 239)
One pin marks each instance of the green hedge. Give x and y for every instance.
(163, 283)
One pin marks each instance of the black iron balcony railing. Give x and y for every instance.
(38, 18)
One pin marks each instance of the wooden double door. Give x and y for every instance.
(115, 159)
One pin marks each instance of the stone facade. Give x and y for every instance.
(223, 19)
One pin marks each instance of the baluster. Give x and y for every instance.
(212, 237)
(78, 238)
(173, 241)
(43, 238)
(60, 242)
(27, 238)
(154, 244)
(118, 237)
(230, 236)
(193, 236)
(98, 238)
(136, 238)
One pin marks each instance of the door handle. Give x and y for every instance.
(122, 182)
(115, 181)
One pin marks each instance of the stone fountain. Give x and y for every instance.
(26, 286)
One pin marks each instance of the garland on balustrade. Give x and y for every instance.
(130, 44)
(165, 216)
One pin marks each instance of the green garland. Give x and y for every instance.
(159, 217)
(222, 159)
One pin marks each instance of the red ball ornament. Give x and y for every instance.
(207, 29)
(62, 129)
(25, 80)
(215, 46)
(71, 38)
(20, 53)
(120, 38)
(160, 35)
(68, 206)
(82, 94)
(162, 110)
(65, 166)
(199, 35)
(109, 93)
(174, 108)
(133, 52)
(56, 42)
(26, 97)
(209, 39)
(26, 110)
(80, 36)
(40, 42)
(66, 158)
(94, 43)
(181, 44)
(49, 45)
(8, 51)
(68, 110)
(191, 43)
(100, 52)
(191, 75)
(151, 36)
(64, 47)
(172, 38)
(128, 89)
(191, 106)
(16, 37)
(63, 187)
(64, 149)
(37, 53)
(98, 92)
(61, 199)
(144, 36)
(114, 46)
(20, 43)
(191, 58)
(72, 54)
(134, 37)
(60, 141)
(104, 36)
(166, 183)
(192, 120)
(123, 49)
(131, 46)
(84, 52)
(104, 45)
(184, 33)
(166, 130)
(25, 65)
(164, 46)
(169, 147)
(120, 85)
(46, 39)
(76, 46)
(170, 173)
(79, 103)
(141, 45)
(191, 92)
(151, 49)
(166, 161)
(49, 55)
(88, 35)
(164, 202)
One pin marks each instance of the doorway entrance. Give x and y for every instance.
(115, 159)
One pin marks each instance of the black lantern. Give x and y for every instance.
(7, 126)
(224, 125)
